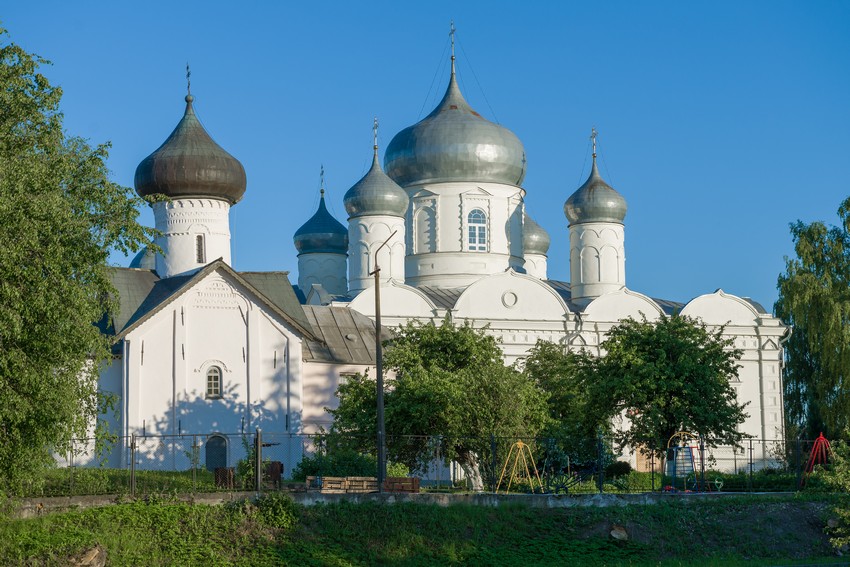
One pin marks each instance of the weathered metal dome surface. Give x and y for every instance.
(190, 164)
(595, 201)
(535, 239)
(376, 194)
(454, 143)
(145, 260)
(322, 233)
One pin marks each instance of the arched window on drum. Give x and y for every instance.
(477, 227)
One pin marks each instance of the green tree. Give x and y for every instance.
(560, 374)
(59, 216)
(449, 390)
(814, 297)
(666, 376)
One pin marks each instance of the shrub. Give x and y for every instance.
(617, 469)
(838, 479)
(277, 510)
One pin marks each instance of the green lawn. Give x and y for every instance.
(728, 531)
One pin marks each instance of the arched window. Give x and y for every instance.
(214, 382)
(477, 222)
(426, 231)
(200, 253)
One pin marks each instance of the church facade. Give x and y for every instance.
(203, 349)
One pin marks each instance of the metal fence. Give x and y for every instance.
(192, 463)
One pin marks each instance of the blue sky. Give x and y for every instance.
(720, 122)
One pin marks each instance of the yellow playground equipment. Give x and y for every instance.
(522, 457)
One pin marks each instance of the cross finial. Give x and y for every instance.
(188, 80)
(375, 133)
(593, 134)
(322, 180)
(452, 35)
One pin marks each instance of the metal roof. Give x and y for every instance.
(444, 298)
(595, 201)
(347, 336)
(321, 233)
(142, 294)
(455, 143)
(376, 194)
(190, 164)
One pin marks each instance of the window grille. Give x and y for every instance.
(214, 382)
(477, 226)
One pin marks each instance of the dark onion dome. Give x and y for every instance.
(454, 143)
(322, 233)
(145, 260)
(535, 239)
(595, 201)
(376, 194)
(190, 164)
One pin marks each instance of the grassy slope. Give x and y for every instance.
(728, 531)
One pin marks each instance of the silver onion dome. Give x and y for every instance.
(454, 143)
(322, 233)
(376, 194)
(145, 259)
(595, 201)
(190, 164)
(535, 239)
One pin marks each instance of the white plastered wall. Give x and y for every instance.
(365, 235)
(181, 222)
(216, 323)
(446, 260)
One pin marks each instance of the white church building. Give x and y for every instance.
(201, 348)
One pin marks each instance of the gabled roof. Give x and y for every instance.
(346, 336)
(564, 290)
(442, 297)
(142, 294)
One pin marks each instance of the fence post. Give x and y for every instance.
(600, 471)
(258, 464)
(494, 463)
(71, 468)
(797, 454)
(133, 465)
(652, 469)
(751, 464)
(196, 461)
(702, 463)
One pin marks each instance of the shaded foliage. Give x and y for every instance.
(449, 393)
(572, 428)
(814, 297)
(665, 376)
(59, 216)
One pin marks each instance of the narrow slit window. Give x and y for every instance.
(214, 382)
(200, 253)
(477, 226)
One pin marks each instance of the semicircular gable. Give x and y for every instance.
(397, 300)
(622, 304)
(720, 308)
(510, 296)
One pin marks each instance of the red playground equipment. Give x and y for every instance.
(819, 456)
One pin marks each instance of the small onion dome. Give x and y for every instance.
(145, 260)
(376, 194)
(454, 143)
(190, 164)
(535, 239)
(595, 201)
(322, 233)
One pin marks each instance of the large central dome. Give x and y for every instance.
(454, 143)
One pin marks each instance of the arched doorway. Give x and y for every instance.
(216, 452)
